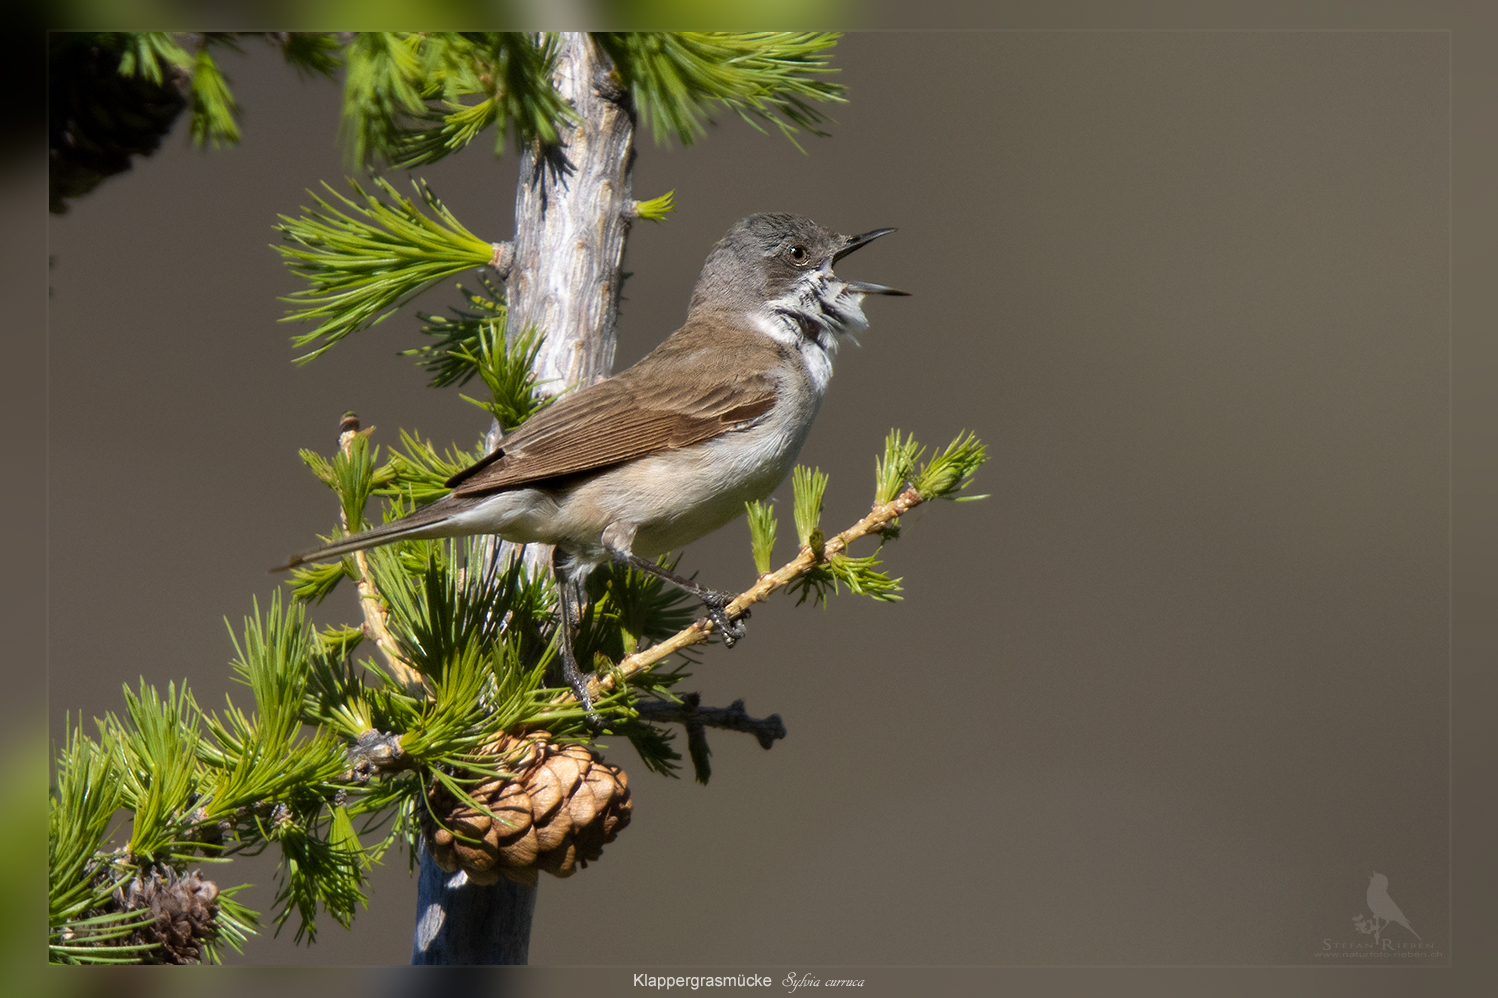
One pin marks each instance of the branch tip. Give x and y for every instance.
(699, 631)
(734, 717)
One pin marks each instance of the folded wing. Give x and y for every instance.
(681, 394)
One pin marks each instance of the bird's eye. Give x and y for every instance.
(799, 255)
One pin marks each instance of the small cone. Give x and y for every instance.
(184, 909)
(558, 811)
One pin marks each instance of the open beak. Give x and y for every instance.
(865, 288)
(862, 287)
(854, 242)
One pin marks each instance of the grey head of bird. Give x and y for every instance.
(777, 268)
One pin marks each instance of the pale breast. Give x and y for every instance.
(675, 497)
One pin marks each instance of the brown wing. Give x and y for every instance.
(688, 390)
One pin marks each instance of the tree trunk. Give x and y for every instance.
(459, 922)
(572, 211)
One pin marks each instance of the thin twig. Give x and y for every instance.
(734, 717)
(700, 631)
(370, 602)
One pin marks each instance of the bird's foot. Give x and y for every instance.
(579, 684)
(733, 631)
(715, 600)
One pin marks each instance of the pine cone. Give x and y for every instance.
(184, 910)
(556, 814)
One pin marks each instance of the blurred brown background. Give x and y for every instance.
(1170, 696)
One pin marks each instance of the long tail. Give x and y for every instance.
(425, 522)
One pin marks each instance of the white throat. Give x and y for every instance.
(810, 318)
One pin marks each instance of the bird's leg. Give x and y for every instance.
(715, 601)
(569, 604)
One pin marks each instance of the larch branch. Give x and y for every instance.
(697, 633)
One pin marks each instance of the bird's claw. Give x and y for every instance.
(732, 631)
(579, 684)
(590, 716)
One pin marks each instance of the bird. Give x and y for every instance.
(1383, 906)
(672, 448)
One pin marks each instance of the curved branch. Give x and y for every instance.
(371, 605)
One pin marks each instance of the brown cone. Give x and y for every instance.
(556, 814)
(184, 910)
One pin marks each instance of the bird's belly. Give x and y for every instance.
(670, 500)
(675, 497)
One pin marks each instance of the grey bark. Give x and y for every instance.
(572, 211)
(573, 208)
(459, 922)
